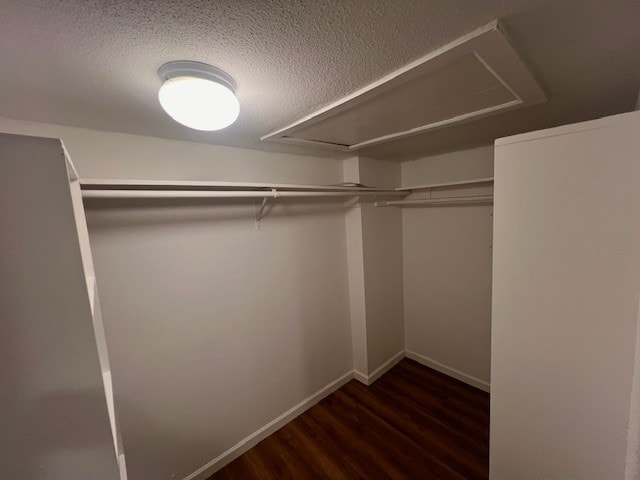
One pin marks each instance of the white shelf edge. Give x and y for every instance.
(125, 184)
(91, 288)
(108, 387)
(122, 464)
(187, 185)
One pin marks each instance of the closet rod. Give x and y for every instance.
(228, 194)
(442, 201)
(460, 183)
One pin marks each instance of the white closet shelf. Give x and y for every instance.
(102, 188)
(232, 193)
(182, 185)
(97, 188)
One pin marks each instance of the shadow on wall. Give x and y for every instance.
(57, 434)
(106, 203)
(161, 444)
(144, 211)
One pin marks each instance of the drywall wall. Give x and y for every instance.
(566, 288)
(214, 328)
(355, 264)
(374, 257)
(382, 253)
(53, 408)
(632, 467)
(447, 269)
(98, 154)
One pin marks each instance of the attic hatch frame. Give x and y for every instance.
(487, 43)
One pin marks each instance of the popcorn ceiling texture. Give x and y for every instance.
(93, 63)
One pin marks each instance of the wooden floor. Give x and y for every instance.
(413, 423)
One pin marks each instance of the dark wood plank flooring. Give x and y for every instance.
(413, 423)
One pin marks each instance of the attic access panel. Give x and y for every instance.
(477, 75)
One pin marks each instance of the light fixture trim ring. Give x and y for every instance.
(188, 68)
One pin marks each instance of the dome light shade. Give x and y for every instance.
(198, 95)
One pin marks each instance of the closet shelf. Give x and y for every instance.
(101, 188)
(94, 188)
(233, 193)
(188, 185)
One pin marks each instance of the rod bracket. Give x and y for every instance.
(260, 210)
(352, 203)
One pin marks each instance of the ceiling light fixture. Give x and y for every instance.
(198, 95)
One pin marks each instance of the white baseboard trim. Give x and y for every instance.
(248, 442)
(381, 370)
(452, 372)
(361, 377)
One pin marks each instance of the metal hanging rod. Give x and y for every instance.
(448, 184)
(442, 201)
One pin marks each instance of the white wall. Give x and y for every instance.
(565, 310)
(53, 408)
(447, 269)
(382, 252)
(374, 246)
(355, 264)
(632, 468)
(214, 328)
(98, 154)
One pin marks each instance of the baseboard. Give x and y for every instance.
(381, 370)
(248, 442)
(452, 372)
(361, 377)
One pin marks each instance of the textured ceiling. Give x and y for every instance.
(93, 63)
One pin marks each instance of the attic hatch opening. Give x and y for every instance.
(477, 75)
(324, 142)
